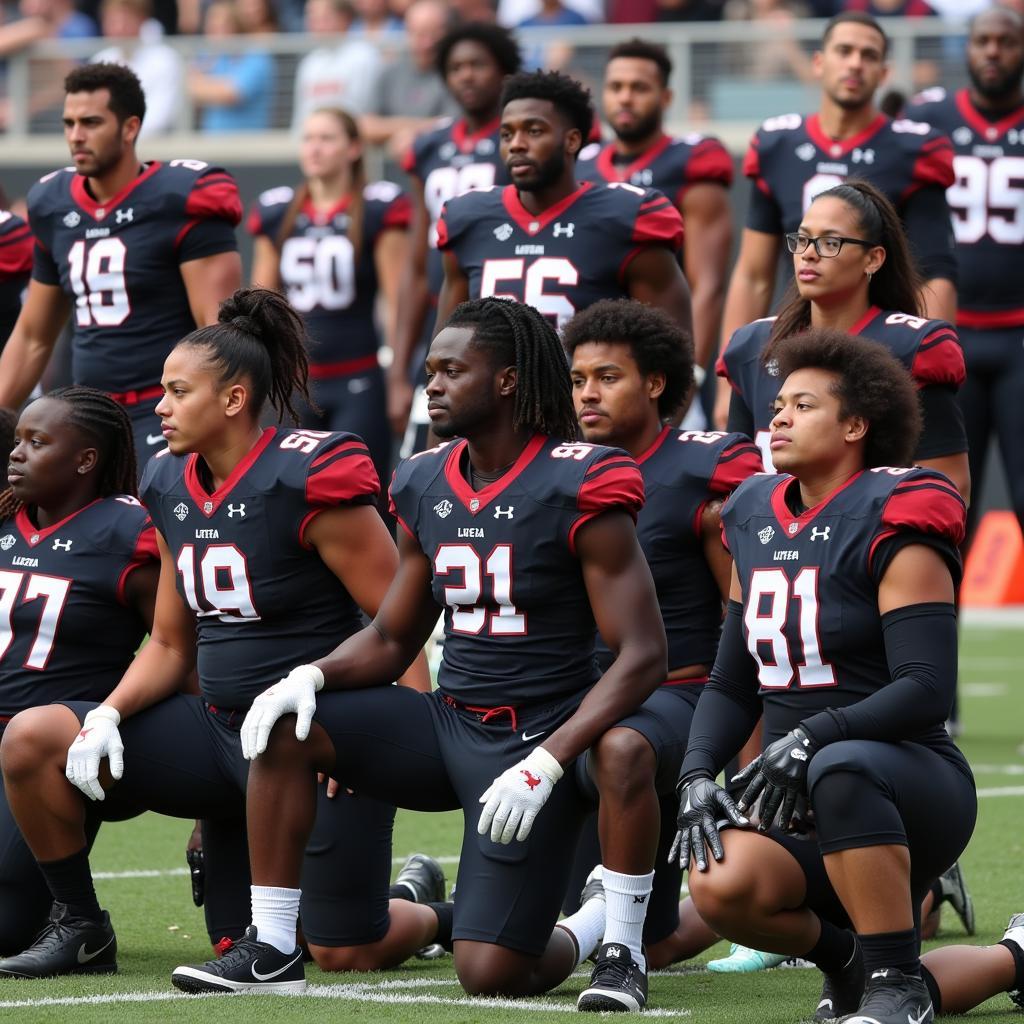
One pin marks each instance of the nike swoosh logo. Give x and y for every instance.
(273, 974)
(911, 1019)
(825, 1002)
(84, 957)
(154, 438)
(528, 736)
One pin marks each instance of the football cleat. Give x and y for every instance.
(892, 997)
(593, 888)
(744, 960)
(1015, 933)
(617, 983)
(67, 945)
(423, 877)
(248, 966)
(842, 990)
(954, 892)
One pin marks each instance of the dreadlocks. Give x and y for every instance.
(519, 336)
(104, 422)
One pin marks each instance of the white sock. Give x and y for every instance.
(586, 926)
(626, 897)
(274, 912)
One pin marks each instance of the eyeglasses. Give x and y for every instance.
(825, 246)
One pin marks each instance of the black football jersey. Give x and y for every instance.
(518, 625)
(449, 160)
(791, 160)
(119, 262)
(929, 349)
(810, 582)
(987, 204)
(264, 601)
(332, 286)
(682, 471)
(565, 259)
(66, 632)
(15, 268)
(671, 165)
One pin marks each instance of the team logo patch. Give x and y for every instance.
(181, 511)
(474, 504)
(443, 508)
(447, 151)
(72, 219)
(34, 539)
(765, 535)
(772, 367)
(793, 527)
(7, 542)
(962, 135)
(208, 507)
(503, 232)
(485, 147)
(806, 151)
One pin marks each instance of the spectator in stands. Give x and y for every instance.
(141, 47)
(553, 13)
(777, 57)
(475, 10)
(890, 8)
(687, 10)
(374, 19)
(514, 12)
(412, 94)
(343, 74)
(257, 16)
(61, 15)
(234, 90)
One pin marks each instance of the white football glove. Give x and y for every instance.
(514, 799)
(97, 739)
(293, 695)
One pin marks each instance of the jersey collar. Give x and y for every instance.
(611, 171)
(477, 501)
(655, 445)
(467, 140)
(80, 194)
(32, 535)
(319, 217)
(792, 525)
(990, 131)
(859, 326)
(532, 224)
(840, 147)
(209, 503)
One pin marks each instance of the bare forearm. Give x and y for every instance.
(707, 319)
(749, 298)
(367, 658)
(21, 367)
(158, 671)
(938, 296)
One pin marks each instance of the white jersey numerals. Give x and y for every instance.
(444, 183)
(467, 615)
(222, 580)
(319, 272)
(816, 184)
(54, 592)
(987, 198)
(771, 600)
(535, 278)
(97, 279)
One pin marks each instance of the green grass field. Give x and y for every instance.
(158, 928)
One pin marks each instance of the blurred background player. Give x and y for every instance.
(71, 519)
(270, 547)
(986, 123)
(335, 245)
(15, 266)
(140, 253)
(694, 171)
(853, 272)
(792, 158)
(456, 156)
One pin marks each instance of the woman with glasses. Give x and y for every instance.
(853, 271)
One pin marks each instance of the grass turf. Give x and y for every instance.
(158, 928)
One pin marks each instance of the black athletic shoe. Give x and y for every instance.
(617, 984)
(67, 945)
(842, 990)
(954, 892)
(423, 877)
(248, 966)
(892, 997)
(197, 872)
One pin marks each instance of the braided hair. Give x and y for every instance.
(260, 336)
(517, 335)
(106, 423)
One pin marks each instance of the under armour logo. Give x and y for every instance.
(505, 513)
(124, 215)
(822, 533)
(560, 229)
(531, 780)
(61, 545)
(239, 509)
(443, 508)
(639, 899)
(180, 511)
(503, 232)
(765, 535)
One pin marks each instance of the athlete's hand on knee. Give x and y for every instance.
(702, 804)
(779, 772)
(293, 695)
(97, 739)
(514, 799)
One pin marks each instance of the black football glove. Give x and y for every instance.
(702, 804)
(780, 772)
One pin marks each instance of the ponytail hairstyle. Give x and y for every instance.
(896, 285)
(259, 336)
(106, 424)
(357, 183)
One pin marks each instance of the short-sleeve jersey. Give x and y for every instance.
(791, 160)
(119, 262)
(810, 582)
(564, 259)
(324, 278)
(682, 471)
(264, 600)
(15, 268)
(987, 204)
(449, 160)
(518, 624)
(68, 632)
(672, 165)
(929, 349)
